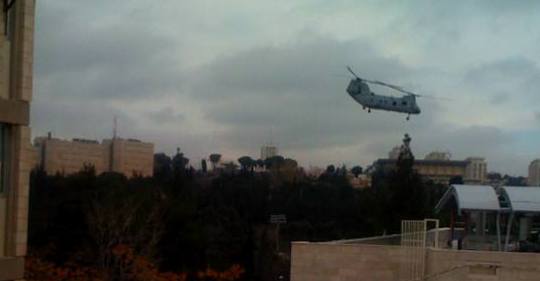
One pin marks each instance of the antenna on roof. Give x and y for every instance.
(115, 127)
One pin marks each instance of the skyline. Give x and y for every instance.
(215, 77)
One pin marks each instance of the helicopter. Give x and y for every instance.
(359, 90)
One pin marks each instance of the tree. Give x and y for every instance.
(204, 167)
(214, 159)
(274, 162)
(356, 170)
(162, 165)
(330, 169)
(246, 162)
(456, 180)
(260, 163)
(179, 163)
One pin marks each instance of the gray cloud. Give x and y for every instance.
(120, 60)
(166, 115)
(178, 75)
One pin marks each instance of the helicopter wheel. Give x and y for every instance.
(408, 117)
(369, 110)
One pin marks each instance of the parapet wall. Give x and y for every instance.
(330, 261)
(357, 261)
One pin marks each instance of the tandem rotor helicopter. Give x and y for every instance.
(359, 90)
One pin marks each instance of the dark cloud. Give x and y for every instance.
(120, 60)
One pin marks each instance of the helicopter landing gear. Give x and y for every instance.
(369, 110)
(408, 117)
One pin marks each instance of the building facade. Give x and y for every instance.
(268, 151)
(129, 157)
(16, 156)
(534, 173)
(471, 170)
(476, 170)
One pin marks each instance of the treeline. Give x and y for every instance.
(189, 222)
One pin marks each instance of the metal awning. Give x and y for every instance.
(470, 198)
(524, 199)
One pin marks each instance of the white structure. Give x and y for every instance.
(268, 151)
(534, 173)
(476, 170)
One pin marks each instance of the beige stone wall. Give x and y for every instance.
(68, 157)
(123, 156)
(448, 265)
(16, 68)
(132, 157)
(342, 262)
(138, 158)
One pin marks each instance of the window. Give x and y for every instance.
(394, 103)
(3, 158)
(9, 20)
(404, 103)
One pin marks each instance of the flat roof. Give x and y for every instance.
(420, 162)
(523, 198)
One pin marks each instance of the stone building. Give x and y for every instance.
(534, 173)
(16, 157)
(127, 156)
(471, 170)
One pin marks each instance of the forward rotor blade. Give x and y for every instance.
(352, 72)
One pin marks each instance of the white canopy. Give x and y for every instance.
(470, 197)
(523, 198)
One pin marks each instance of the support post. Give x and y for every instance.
(508, 231)
(498, 231)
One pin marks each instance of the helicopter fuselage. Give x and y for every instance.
(360, 92)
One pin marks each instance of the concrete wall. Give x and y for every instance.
(333, 261)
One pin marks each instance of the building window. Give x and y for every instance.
(9, 20)
(4, 158)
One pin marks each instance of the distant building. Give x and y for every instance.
(268, 151)
(471, 170)
(362, 181)
(534, 173)
(126, 156)
(438, 155)
(476, 170)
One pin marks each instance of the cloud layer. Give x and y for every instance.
(227, 78)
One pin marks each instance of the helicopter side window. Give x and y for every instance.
(394, 103)
(404, 103)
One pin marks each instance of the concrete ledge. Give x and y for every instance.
(11, 268)
(14, 112)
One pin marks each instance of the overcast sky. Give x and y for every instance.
(227, 76)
